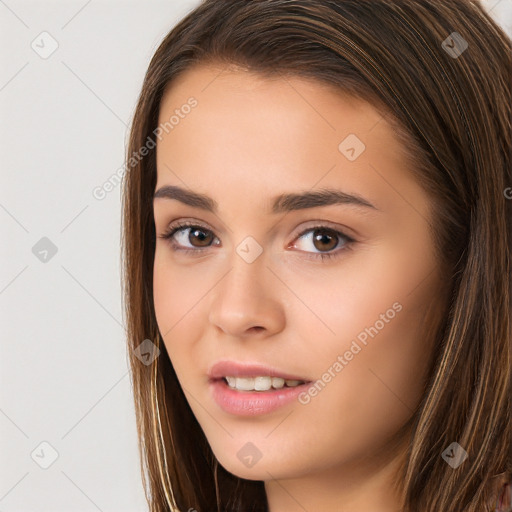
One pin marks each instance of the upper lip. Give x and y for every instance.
(226, 368)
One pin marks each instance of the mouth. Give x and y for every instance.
(244, 374)
(261, 383)
(252, 402)
(253, 389)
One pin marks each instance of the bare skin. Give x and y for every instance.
(248, 140)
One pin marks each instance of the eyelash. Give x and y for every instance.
(323, 256)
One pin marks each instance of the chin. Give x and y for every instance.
(237, 468)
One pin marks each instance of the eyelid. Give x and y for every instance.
(318, 223)
(187, 223)
(304, 226)
(179, 225)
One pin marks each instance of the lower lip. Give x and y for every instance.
(253, 403)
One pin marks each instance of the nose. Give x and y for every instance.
(247, 300)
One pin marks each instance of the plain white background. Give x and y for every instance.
(64, 373)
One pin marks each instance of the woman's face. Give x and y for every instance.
(254, 289)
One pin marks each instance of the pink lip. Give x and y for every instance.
(252, 403)
(234, 369)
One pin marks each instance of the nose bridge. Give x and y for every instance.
(245, 282)
(246, 297)
(248, 268)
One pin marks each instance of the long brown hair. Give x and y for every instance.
(449, 96)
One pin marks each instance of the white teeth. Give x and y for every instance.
(260, 383)
(277, 382)
(244, 383)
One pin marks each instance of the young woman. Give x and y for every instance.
(316, 241)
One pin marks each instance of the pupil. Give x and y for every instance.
(325, 238)
(201, 235)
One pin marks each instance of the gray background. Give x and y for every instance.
(64, 373)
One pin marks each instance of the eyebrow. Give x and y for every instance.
(282, 203)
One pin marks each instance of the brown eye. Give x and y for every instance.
(194, 239)
(188, 237)
(326, 242)
(201, 236)
(325, 239)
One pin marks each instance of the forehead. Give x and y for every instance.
(264, 134)
(233, 93)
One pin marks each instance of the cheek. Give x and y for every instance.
(370, 295)
(181, 308)
(173, 296)
(372, 313)
(176, 292)
(371, 392)
(165, 289)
